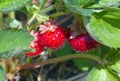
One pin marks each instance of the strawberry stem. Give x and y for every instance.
(57, 14)
(31, 19)
(2, 26)
(79, 24)
(59, 59)
(11, 15)
(65, 19)
(44, 11)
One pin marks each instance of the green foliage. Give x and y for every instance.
(74, 6)
(101, 73)
(13, 23)
(83, 63)
(105, 27)
(105, 3)
(42, 2)
(2, 73)
(86, 64)
(11, 5)
(114, 61)
(101, 19)
(12, 53)
(11, 39)
(66, 50)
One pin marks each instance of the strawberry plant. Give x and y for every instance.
(35, 33)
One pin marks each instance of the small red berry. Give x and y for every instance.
(38, 49)
(51, 35)
(81, 42)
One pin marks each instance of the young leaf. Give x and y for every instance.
(2, 73)
(11, 39)
(105, 3)
(13, 23)
(100, 73)
(10, 5)
(115, 62)
(83, 63)
(85, 2)
(105, 27)
(103, 50)
(75, 7)
(42, 2)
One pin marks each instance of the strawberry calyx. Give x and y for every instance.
(47, 26)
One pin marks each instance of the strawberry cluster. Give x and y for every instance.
(49, 35)
(53, 36)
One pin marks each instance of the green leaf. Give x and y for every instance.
(42, 3)
(84, 2)
(103, 50)
(13, 23)
(2, 73)
(88, 3)
(11, 39)
(86, 64)
(100, 73)
(11, 5)
(105, 3)
(66, 50)
(83, 64)
(12, 53)
(75, 7)
(115, 62)
(105, 27)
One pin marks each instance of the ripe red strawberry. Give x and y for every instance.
(81, 42)
(38, 49)
(51, 35)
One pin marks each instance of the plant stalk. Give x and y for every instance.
(2, 26)
(43, 11)
(31, 19)
(59, 59)
(11, 15)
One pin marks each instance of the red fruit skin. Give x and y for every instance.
(82, 43)
(52, 39)
(38, 49)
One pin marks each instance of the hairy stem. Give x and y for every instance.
(65, 19)
(57, 14)
(11, 15)
(43, 11)
(59, 59)
(31, 19)
(2, 26)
